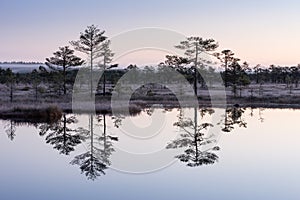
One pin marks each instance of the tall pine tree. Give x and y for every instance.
(90, 43)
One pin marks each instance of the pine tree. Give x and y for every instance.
(90, 43)
(194, 46)
(226, 57)
(107, 56)
(63, 59)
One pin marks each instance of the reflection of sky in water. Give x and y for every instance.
(260, 162)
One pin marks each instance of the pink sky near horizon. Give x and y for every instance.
(259, 32)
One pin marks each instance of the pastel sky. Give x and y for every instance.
(258, 31)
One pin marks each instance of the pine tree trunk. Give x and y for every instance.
(65, 88)
(11, 92)
(91, 74)
(104, 133)
(92, 140)
(195, 132)
(195, 82)
(195, 73)
(104, 83)
(65, 129)
(225, 73)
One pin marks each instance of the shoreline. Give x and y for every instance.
(51, 111)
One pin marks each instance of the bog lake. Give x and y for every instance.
(232, 153)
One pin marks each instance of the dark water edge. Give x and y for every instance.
(52, 110)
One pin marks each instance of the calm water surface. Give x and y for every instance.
(159, 154)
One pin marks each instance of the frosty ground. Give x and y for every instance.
(255, 95)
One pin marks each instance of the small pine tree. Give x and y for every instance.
(63, 59)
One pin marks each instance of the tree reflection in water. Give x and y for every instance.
(260, 114)
(10, 129)
(233, 116)
(96, 160)
(199, 148)
(62, 136)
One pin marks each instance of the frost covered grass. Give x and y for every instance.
(25, 103)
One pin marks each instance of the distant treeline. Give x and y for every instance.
(256, 75)
(21, 62)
